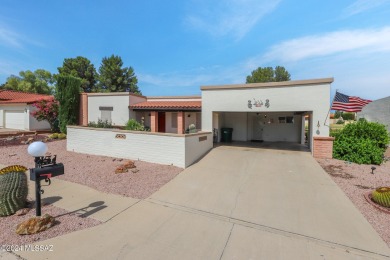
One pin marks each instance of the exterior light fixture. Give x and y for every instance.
(372, 169)
(37, 149)
(46, 167)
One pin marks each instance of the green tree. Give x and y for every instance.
(40, 82)
(68, 95)
(268, 74)
(115, 78)
(82, 68)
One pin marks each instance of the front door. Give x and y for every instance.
(161, 122)
(257, 129)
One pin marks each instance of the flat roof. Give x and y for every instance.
(270, 84)
(175, 97)
(112, 94)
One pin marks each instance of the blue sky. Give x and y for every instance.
(177, 46)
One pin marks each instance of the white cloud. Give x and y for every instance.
(9, 38)
(360, 6)
(369, 40)
(229, 17)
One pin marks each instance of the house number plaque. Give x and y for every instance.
(120, 136)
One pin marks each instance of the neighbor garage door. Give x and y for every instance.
(14, 119)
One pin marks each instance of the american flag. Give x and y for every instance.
(346, 103)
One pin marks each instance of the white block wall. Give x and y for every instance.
(151, 147)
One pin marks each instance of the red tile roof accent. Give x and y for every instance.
(10, 96)
(196, 105)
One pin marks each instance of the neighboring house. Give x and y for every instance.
(274, 111)
(16, 108)
(377, 111)
(160, 114)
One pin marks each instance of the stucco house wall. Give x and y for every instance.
(377, 111)
(119, 102)
(309, 96)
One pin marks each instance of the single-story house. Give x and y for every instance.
(377, 111)
(160, 114)
(16, 108)
(274, 111)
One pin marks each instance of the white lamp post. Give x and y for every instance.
(37, 149)
(46, 167)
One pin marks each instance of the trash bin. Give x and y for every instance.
(226, 134)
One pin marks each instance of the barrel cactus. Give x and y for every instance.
(381, 196)
(13, 189)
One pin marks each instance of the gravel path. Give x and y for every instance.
(356, 180)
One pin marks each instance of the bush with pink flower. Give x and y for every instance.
(47, 110)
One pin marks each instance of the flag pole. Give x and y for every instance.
(330, 108)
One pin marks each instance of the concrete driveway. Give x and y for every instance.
(236, 203)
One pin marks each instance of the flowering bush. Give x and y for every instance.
(47, 110)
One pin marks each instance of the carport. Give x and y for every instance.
(290, 111)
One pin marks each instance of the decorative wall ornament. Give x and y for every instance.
(258, 103)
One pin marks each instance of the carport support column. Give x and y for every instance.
(154, 121)
(303, 129)
(180, 122)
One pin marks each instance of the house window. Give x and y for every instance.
(289, 120)
(105, 113)
(286, 120)
(174, 120)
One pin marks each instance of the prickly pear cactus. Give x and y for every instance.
(13, 189)
(381, 196)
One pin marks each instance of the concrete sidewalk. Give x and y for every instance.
(236, 203)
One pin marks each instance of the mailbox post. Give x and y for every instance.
(46, 167)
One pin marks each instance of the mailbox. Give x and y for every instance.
(46, 172)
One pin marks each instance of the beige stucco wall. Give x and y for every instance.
(120, 103)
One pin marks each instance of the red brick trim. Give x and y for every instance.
(323, 147)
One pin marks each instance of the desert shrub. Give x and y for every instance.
(338, 114)
(100, 124)
(54, 136)
(348, 116)
(134, 125)
(362, 142)
(61, 136)
(334, 132)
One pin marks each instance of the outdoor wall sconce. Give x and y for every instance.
(149, 114)
(265, 116)
(373, 169)
(189, 115)
(318, 124)
(45, 168)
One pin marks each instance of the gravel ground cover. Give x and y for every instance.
(97, 172)
(356, 181)
(66, 222)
